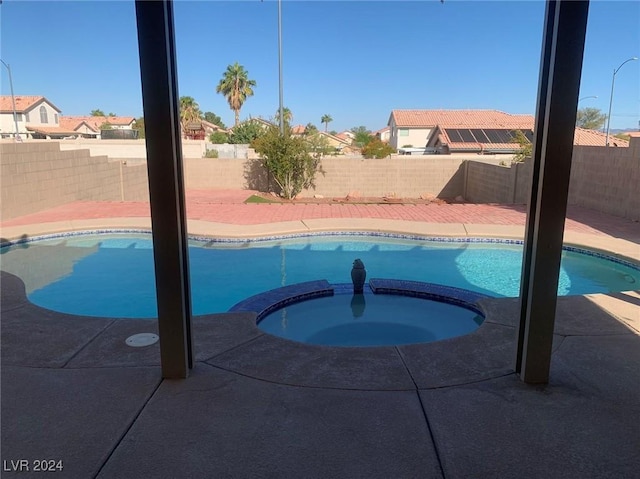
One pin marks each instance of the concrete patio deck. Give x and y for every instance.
(260, 406)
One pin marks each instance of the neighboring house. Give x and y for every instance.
(36, 116)
(91, 126)
(383, 134)
(418, 127)
(200, 130)
(584, 137)
(115, 122)
(298, 130)
(263, 123)
(80, 127)
(342, 145)
(468, 131)
(346, 136)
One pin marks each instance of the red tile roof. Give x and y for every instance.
(23, 103)
(457, 118)
(585, 137)
(344, 140)
(298, 129)
(51, 130)
(344, 137)
(73, 123)
(95, 122)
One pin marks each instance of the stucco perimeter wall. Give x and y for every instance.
(128, 148)
(37, 176)
(602, 179)
(404, 176)
(607, 179)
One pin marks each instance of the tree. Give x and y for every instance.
(310, 129)
(288, 160)
(363, 136)
(217, 137)
(590, 118)
(377, 149)
(189, 112)
(317, 145)
(236, 86)
(139, 125)
(286, 114)
(526, 147)
(97, 112)
(246, 133)
(326, 119)
(213, 118)
(111, 114)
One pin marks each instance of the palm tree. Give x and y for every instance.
(236, 87)
(189, 112)
(326, 119)
(286, 115)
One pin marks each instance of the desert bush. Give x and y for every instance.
(377, 149)
(288, 159)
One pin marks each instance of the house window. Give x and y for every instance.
(55, 117)
(26, 117)
(403, 132)
(43, 115)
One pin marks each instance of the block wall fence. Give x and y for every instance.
(38, 175)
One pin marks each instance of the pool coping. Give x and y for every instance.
(590, 245)
(622, 249)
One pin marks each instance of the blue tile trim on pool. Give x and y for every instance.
(269, 301)
(437, 292)
(263, 239)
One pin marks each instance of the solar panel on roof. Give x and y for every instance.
(467, 136)
(454, 135)
(494, 136)
(529, 135)
(480, 136)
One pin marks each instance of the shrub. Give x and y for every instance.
(377, 149)
(526, 148)
(288, 160)
(245, 133)
(210, 154)
(217, 138)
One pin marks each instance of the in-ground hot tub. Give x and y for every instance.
(388, 313)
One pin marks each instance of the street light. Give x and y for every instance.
(280, 64)
(613, 81)
(13, 100)
(587, 97)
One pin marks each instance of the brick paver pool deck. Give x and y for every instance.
(225, 213)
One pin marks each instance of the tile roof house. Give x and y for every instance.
(200, 130)
(36, 117)
(342, 144)
(469, 131)
(298, 130)
(383, 134)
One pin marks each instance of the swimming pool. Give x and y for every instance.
(112, 275)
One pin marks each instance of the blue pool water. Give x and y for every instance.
(369, 320)
(113, 276)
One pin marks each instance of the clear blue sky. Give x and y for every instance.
(354, 60)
